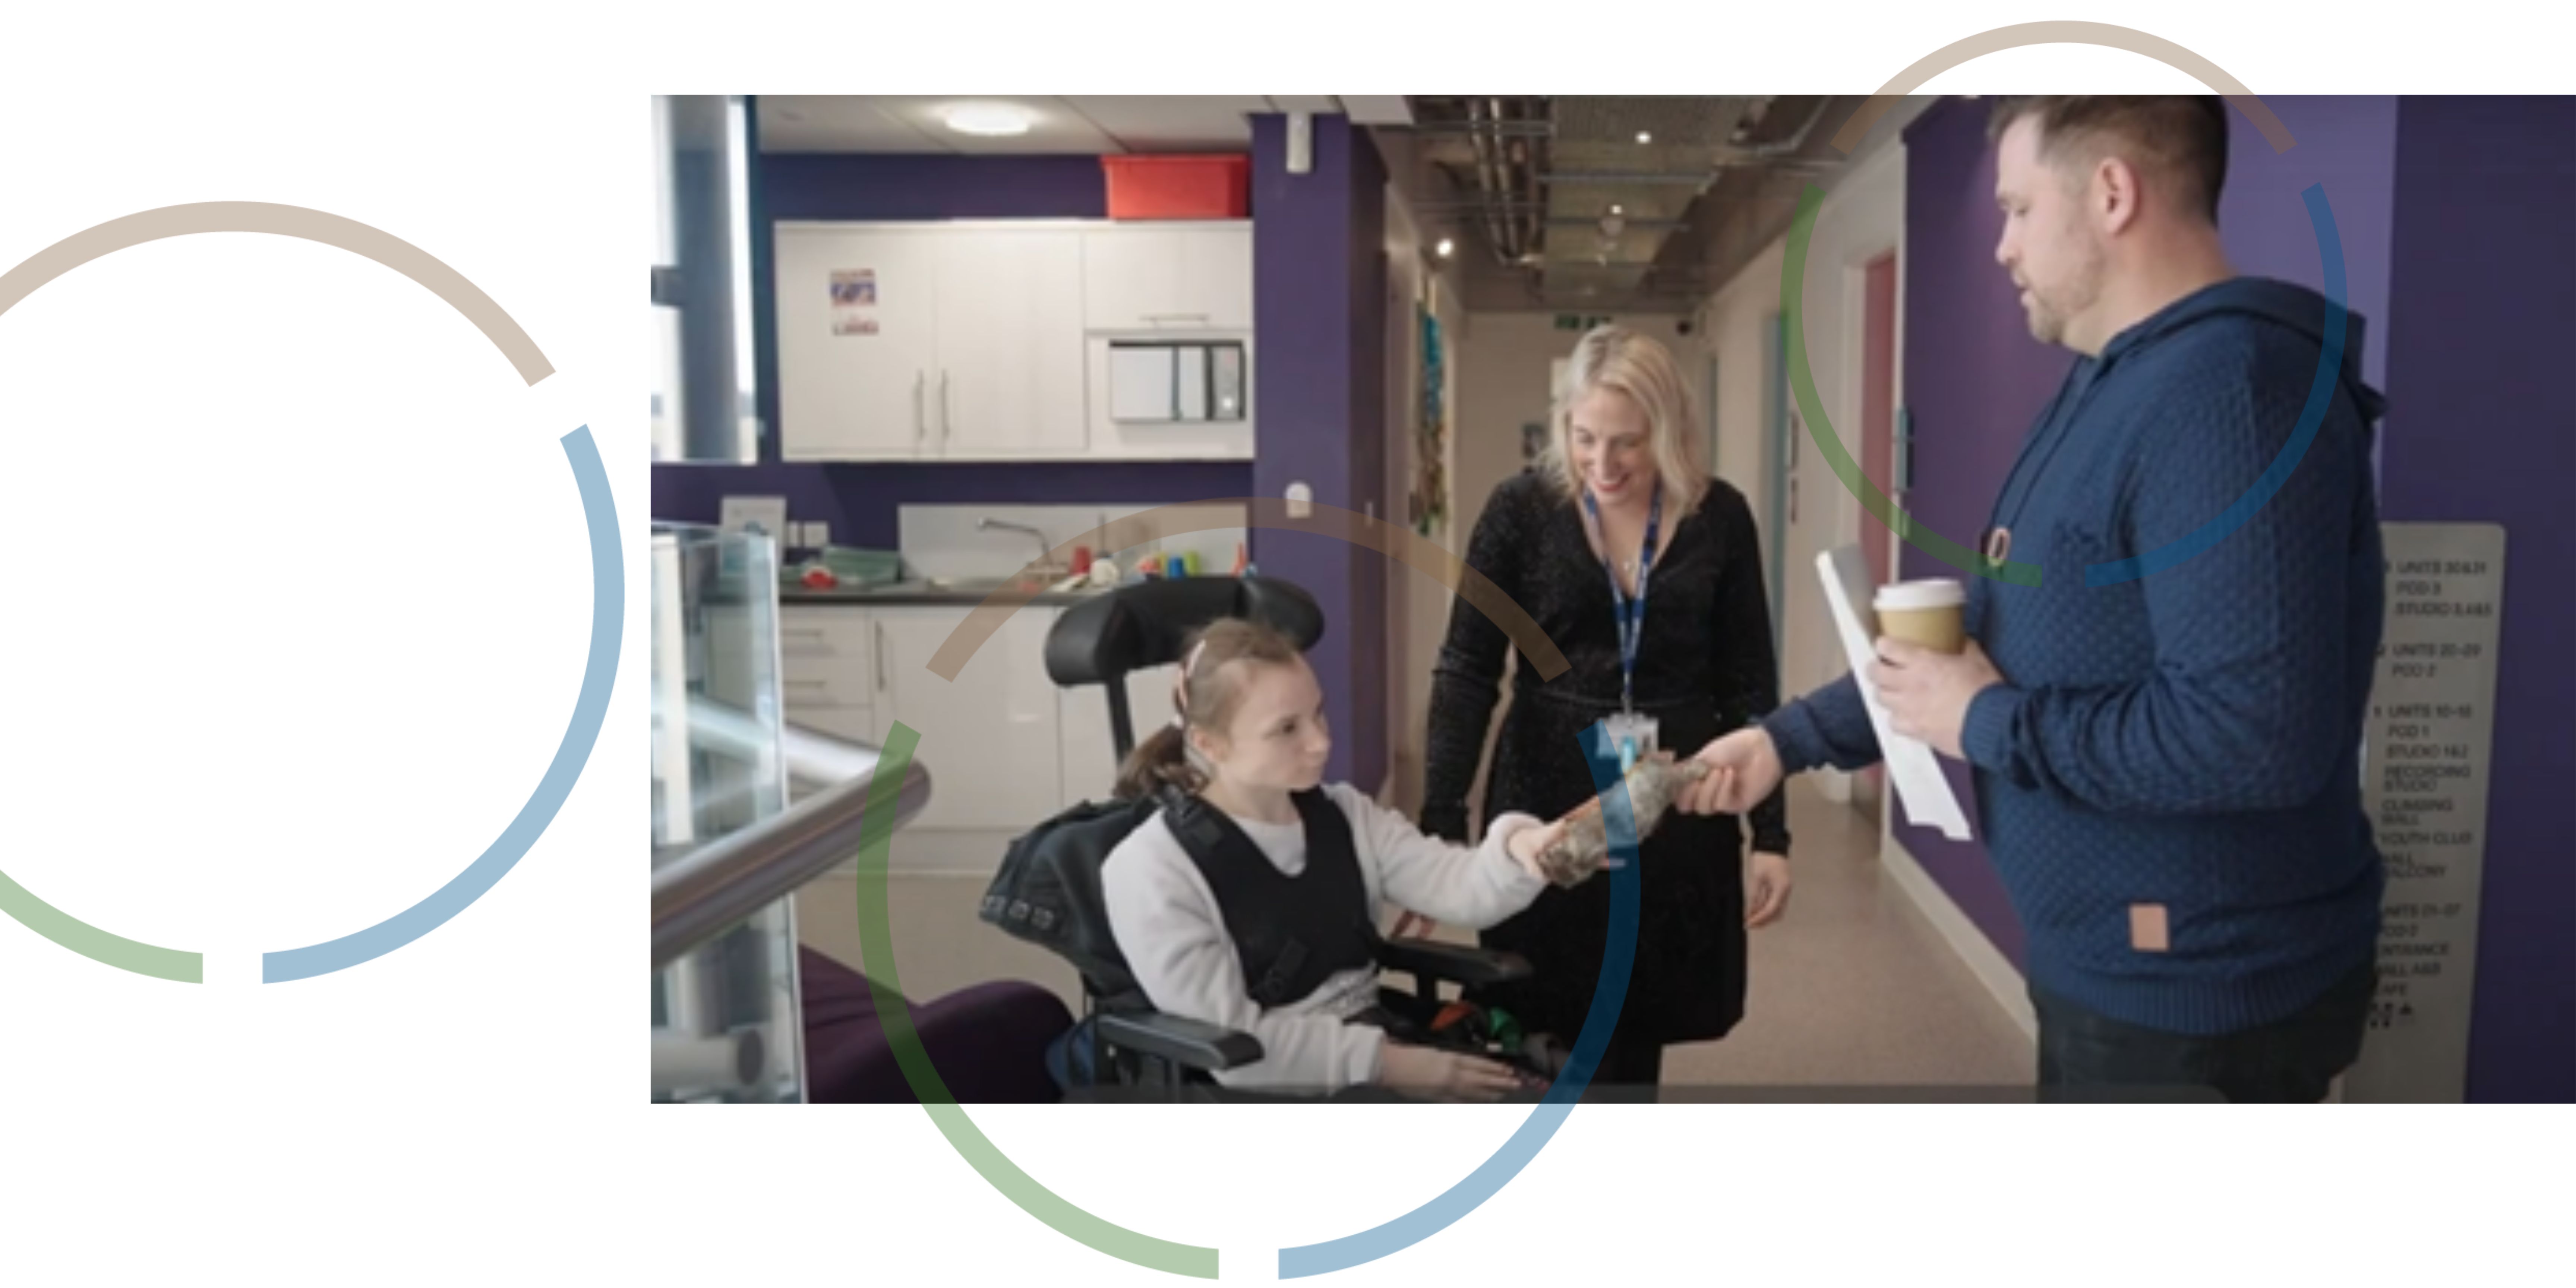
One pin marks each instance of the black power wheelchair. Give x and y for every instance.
(1048, 891)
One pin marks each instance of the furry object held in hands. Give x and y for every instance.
(1653, 783)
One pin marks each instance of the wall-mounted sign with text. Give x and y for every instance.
(2424, 786)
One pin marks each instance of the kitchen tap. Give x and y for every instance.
(1044, 550)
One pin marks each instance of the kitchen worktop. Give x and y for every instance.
(921, 592)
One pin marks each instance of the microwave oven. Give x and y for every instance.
(1176, 381)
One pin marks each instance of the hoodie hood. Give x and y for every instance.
(2276, 302)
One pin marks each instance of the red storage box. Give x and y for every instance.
(1179, 187)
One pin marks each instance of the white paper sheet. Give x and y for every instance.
(1912, 766)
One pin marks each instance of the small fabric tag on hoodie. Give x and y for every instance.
(2147, 928)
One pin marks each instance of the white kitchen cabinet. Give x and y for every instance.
(990, 737)
(1010, 351)
(828, 674)
(844, 392)
(1168, 277)
(1090, 761)
(964, 341)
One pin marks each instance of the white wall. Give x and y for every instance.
(1417, 608)
(1862, 218)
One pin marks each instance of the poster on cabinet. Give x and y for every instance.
(854, 301)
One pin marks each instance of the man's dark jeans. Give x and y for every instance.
(2084, 1055)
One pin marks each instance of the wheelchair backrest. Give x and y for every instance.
(1133, 628)
(1048, 893)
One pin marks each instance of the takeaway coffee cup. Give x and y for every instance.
(1923, 612)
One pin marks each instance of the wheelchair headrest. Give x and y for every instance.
(1145, 625)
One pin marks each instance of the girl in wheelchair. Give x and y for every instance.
(1249, 902)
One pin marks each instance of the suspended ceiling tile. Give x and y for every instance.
(917, 123)
(1054, 126)
(1172, 122)
(837, 123)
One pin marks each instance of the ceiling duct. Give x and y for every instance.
(1612, 203)
(1624, 172)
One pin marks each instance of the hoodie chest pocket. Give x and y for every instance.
(2076, 542)
(2091, 523)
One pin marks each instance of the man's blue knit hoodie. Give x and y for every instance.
(2190, 738)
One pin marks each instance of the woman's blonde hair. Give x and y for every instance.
(1205, 695)
(1614, 357)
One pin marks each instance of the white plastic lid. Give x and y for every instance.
(1910, 596)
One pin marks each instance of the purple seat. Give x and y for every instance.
(987, 1041)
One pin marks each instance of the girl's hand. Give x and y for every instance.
(1528, 843)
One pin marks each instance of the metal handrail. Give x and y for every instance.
(721, 884)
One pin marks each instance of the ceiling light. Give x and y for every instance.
(1445, 247)
(1616, 209)
(1644, 137)
(988, 120)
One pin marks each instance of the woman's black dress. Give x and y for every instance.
(1704, 668)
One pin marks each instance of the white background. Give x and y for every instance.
(300, 602)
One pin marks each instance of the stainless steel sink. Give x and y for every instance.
(987, 585)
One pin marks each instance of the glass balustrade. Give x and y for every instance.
(726, 1021)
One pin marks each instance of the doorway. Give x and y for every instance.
(1876, 324)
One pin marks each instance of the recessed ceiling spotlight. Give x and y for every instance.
(1445, 247)
(1644, 137)
(988, 120)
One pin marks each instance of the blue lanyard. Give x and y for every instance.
(1632, 612)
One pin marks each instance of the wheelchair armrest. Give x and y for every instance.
(1191, 1043)
(1429, 959)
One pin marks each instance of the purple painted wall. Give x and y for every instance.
(2484, 430)
(2463, 211)
(2348, 145)
(841, 185)
(859, 500)
(1973, 379)
(1318, 291)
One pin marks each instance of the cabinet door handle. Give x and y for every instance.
(882, 686)
(947, 409)
(920, 423)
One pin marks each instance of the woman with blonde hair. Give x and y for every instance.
(1647, 573)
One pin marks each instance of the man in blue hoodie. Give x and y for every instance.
(2167, 767)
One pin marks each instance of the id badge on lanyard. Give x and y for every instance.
(1632, 733)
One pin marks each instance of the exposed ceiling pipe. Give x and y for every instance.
(1524, 128)
(1534, 214)
(1790, 145)
(1489, 184)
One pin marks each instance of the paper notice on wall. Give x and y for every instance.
(1912, 766)
(2424, 787)
(854, 301)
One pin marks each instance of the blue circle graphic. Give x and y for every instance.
(589, 711)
